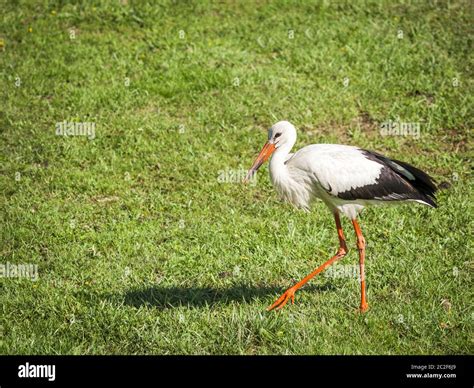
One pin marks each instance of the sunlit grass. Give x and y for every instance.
(141, 248)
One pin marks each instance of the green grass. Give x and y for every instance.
(140, 246)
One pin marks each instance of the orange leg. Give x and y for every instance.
(290, 293)
(361, 246)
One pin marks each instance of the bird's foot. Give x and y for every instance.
(364, 307)
(283, 300)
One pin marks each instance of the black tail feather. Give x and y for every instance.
(423, 182)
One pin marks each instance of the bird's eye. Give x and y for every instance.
(277, 135)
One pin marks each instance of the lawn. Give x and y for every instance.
(144, 238)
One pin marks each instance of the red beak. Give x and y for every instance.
(262, 157)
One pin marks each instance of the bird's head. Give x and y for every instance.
(281, 134)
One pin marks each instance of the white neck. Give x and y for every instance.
(278, 169)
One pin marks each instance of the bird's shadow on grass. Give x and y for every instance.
(171, 297)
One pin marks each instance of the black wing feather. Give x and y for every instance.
(397, 181)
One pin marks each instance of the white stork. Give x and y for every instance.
(346, 179)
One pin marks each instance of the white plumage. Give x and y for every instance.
(323, 171)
